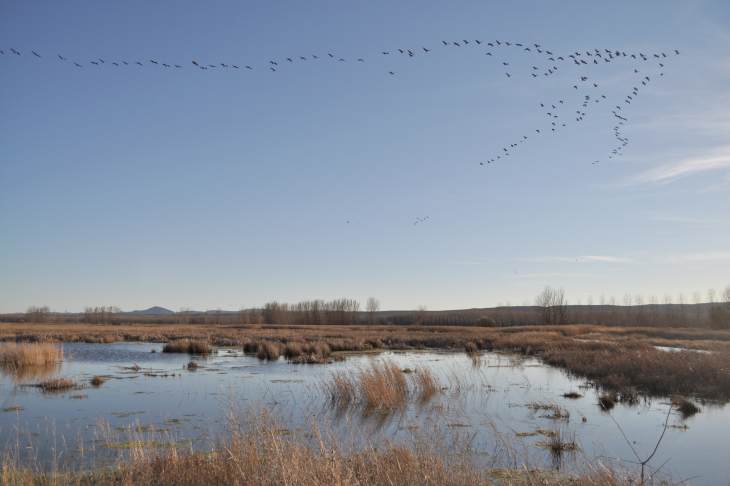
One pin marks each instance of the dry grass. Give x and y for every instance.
(259, 454)
(383, 387)
(317, 352)
(613, 357)
(341, 389)
(16, 356)
(380, 388)
(551, 410)
(190, 346)
(56, 385)
(425, 384)
(268, 351)
(558, 443)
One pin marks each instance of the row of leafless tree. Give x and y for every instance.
(550, 308)
(100, 314)
(337, 311)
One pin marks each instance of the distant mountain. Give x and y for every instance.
(152, 311)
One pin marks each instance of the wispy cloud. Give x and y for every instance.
(719, 256)
(576, 259)
(718, 160)
(540, 275)
(689, 220)
(700, 257)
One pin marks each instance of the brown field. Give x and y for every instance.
(617, 358)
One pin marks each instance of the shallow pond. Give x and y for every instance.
(151, 396)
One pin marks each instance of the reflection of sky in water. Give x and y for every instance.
(193, 406)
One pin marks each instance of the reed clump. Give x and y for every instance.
(16, 356)
(380, 388)
(341, 389)
(189, 346)
(383, 387)
(558, 443)
(268, 351)
(425, 384)
(317, 352)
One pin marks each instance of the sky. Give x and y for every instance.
(224, 188)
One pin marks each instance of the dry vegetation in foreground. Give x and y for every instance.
(260, 454)
(618, 358)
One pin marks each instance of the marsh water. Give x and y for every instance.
(152, 398)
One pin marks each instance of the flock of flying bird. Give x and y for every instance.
(586, 92)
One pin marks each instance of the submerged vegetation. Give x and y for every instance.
(98, 380)
(685, 407)
(57, 385)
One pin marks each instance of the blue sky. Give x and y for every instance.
(226, 189)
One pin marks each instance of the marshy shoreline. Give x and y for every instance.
(404, 377)
(619, 359)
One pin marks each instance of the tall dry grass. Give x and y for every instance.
(426, 385)
(190, 346)
(259, 453)
(383, 387)
(22, 355)
(268, 351)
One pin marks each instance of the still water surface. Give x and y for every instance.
(162, 402)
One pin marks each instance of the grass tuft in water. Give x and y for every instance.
(190, 346)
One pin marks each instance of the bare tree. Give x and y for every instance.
(100, 314)
(37, 314)
(553, 306)
(720, 314)
(711, 295)
(371, 307)
(420, 317)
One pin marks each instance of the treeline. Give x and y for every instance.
(551, 308)
(338, 311)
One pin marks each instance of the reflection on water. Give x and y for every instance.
(507, 407)
(25, 374)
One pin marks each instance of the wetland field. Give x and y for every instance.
(132, 404)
